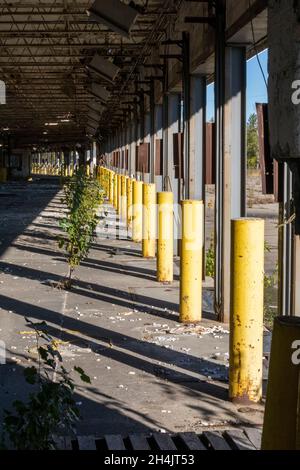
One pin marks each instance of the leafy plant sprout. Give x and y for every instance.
(82, 196)
(51, 408)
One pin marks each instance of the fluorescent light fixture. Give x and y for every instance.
(100, 92)
(94, 115)
(104, 68)
(92, 125)
(65, 120)
(114, 14)
(51, 124)
(96, 107)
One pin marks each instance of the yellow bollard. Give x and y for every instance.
(115, 191)
(281, 429)
(111, 187)
(149, 221)
(165, 242)
(246, 311)
(129, 201)
(119, 194)
(137, 211)
(191, 261)
(124, 198)
(3, 175)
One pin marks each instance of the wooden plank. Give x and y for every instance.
(238, 440)
(139, 442)
(191, 441)
(164, 441)
(115, 442)
(254, 436)
(86, 442)
(215, 441)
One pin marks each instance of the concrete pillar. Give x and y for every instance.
(231, 170)
(284, 118)
(197, 128)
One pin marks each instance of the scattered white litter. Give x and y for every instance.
(131, 373)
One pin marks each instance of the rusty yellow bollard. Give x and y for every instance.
(111, 187)
(191, 261)
(137, 211)
(3, 175)
(119, 194)
(165, 242)
(129, 201)
(246, 311)
(149, 221)
(124, 198)
(281, 430)
(115, 190)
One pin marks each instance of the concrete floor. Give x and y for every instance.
(148, 372)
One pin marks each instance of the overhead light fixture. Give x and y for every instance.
(100, 92)
(96, 107)
(93, 116)
(51, 124)
(92, 124)
(104, 68)
(114, 14)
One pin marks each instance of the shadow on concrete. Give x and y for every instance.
(87, 333)
(155, 307)
(101, 414)
(20, 204)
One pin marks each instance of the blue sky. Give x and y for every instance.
(256, 88)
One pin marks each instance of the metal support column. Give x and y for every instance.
(231, 170)
(173, 100)
(197, 138)
(147, 140)
(152, 133)
(183, 186)
(286, 238)
(219, 113)
(158, 135)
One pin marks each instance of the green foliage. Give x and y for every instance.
(210, 259)
(272, 280)
(51, 407)
(82, 196)
(252, 142)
